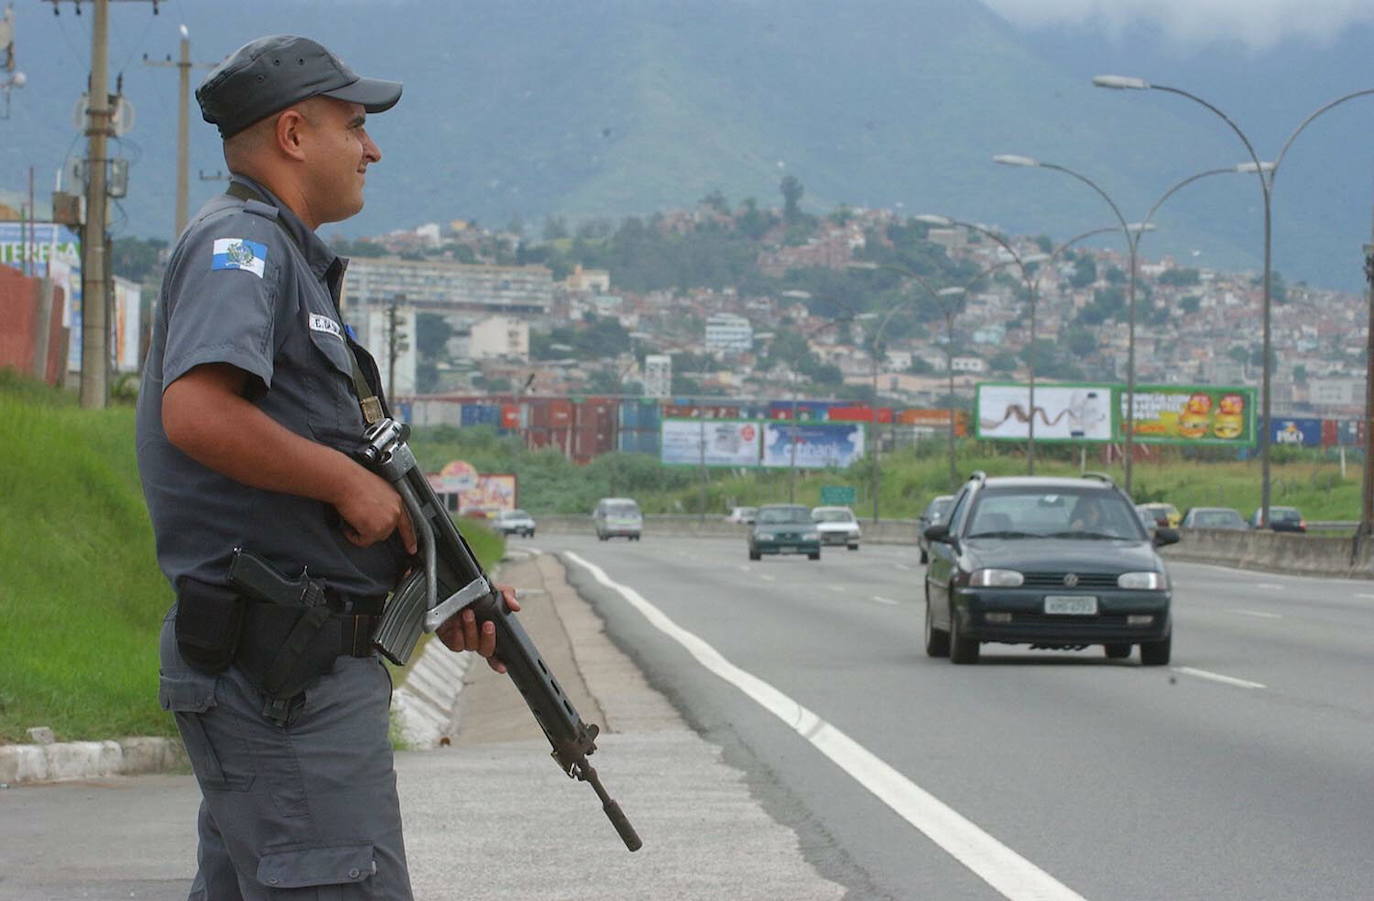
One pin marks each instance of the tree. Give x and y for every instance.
(1190, 304)
(1084, 271)
(432, 332)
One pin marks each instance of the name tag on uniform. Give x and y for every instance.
(239, 253)
(320, 323)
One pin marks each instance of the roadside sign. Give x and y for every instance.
(837, 495)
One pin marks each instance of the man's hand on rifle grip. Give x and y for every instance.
(371, 510)
(462, 632)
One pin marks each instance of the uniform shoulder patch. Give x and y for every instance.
(239, 253)
(324, 324)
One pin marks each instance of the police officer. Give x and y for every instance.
(252, 396)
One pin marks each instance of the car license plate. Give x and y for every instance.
(787, 549)
(1071, 605)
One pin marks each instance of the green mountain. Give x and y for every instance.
(613, 107)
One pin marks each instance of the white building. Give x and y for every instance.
(445, 286)
(728, 332)
(658, 375)
(500, 337)
(373, 325)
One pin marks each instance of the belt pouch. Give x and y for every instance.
(209, 622)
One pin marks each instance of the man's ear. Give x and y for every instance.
(290, 133)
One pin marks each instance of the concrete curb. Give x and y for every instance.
(64, 761)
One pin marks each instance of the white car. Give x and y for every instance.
(837, 525)
(514, 522)
(742, 515)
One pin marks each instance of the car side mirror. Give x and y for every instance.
(1165, 535)
(938, 533)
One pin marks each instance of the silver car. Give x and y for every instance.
(514, 522)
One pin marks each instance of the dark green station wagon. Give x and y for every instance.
(784, 529)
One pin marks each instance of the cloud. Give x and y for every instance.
(1257, 23)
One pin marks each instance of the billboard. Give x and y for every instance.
(1164, 414)
(54, 251)
(713, 442)
(1062, 412)
(1191, 414)
(1296, 432)
(812, 445)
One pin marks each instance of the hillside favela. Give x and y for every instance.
(921, 446)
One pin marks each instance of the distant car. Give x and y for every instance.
(617, 517)
(1163, 514)
(784, 529)
(741, 514)
(1281, 519)
(1050, 562)
(1214, 518)
(514, 522)
(837, 525)
(933, 515)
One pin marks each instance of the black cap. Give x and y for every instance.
(271, 73)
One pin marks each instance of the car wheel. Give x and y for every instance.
(937, 640)
(925, 558)
(531, 533)
(600, 537)
(1117, 651)
(1156, 653)
(814, 555)
(961, 649)
(853, 547)
(755, 555)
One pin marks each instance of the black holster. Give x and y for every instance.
(209, 625)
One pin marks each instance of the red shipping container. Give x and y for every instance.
(884, 414)
(510, 416)
(850, 414)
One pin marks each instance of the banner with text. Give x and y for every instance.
(710, 442)
(1191, 414)
(814, 445)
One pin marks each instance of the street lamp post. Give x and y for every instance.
(1132, 232)
(1031, 286)
(1265, 172)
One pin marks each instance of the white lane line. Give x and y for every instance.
(1260, 613)
(882, 600)
(1268, 586)
(905, 567)
(1002, 868)
(765, 577)
(1217, 677)
(744, 567)
(838, 588)
(1369, 597)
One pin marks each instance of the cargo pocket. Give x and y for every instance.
(190, 698)
(332, 872)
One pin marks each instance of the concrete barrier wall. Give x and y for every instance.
(896, 531)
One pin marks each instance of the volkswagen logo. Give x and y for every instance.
(1071, 579)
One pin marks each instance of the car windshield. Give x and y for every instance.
(624, 508)
(776, 515)
(1284, 514)
(517, 514)
(1217, 519)
(831, 514)
(1040, 513)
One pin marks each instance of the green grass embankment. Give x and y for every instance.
(81, 597)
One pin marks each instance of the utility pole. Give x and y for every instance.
(184, 67)
(95, 336)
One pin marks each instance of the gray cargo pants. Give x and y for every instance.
(307, 810)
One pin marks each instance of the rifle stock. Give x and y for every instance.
(453, 579)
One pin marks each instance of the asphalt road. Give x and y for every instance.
(1242, 771)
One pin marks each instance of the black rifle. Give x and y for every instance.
(452, 579)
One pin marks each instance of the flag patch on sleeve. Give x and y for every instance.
(239, 253)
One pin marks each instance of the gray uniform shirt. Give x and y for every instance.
(239, 290)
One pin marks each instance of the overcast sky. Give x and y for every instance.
(1258, 23)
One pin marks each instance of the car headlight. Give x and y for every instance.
(812, 536)
(1149, 581)
(995, 578)
(766, 536)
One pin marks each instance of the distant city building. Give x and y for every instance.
(441, 285)
(500, 336)
(589, 281)
(728, 332)
(658, 375)
(373, 327)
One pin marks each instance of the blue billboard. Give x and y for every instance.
(814, 445)
(1296, 432)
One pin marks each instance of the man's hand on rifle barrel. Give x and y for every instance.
(461, 632)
